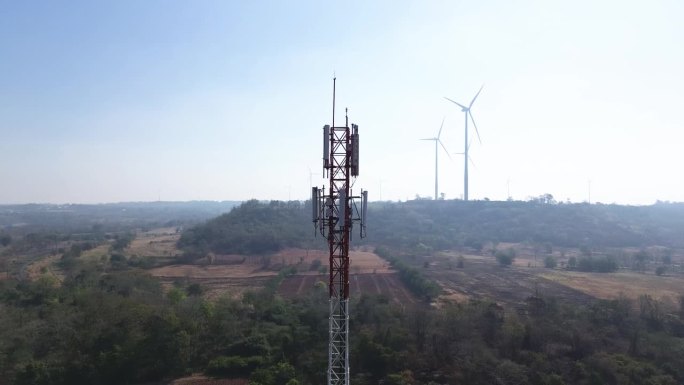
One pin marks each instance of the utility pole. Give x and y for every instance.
(334, 213)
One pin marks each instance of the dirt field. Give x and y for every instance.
(243, 270)
(234, 274)
(361, 262)
(482, 277)
(629, 284)
(249, 267)
(387, 284)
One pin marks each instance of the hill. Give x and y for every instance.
(259, 228)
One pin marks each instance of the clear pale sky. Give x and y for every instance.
(220, 100)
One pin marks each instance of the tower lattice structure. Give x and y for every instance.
(335, 213)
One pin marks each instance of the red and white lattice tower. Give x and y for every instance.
(334, 213)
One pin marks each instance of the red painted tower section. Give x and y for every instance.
(334, 213)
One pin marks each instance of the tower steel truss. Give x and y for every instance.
(335, 213)
(339, 222)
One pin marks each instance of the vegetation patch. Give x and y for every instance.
(419, 285)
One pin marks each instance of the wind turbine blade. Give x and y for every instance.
(478, 93)
(457, 103)
(445, 150)
(471, 161)
(440, 128)
(428, 139)
(476, 130)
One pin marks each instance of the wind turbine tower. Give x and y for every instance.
(468, 115)
(438, 141)
(334, 214)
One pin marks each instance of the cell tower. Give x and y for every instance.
(334, 214)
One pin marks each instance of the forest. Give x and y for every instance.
(118, 326)
(108, 321)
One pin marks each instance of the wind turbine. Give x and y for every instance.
(468, 114)
(437, 141)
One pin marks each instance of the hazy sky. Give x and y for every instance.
(219, 100)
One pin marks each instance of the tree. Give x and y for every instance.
(460, 262)
(505, 257)
(550, 262)
(122, 241)
(640, 259)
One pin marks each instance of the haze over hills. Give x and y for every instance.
(439, 224)
(107, 216)
(257, 227)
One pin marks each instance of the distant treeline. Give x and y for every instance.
(445, 224)
(422, 226)
(108, 217)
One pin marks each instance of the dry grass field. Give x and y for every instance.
(482, 277)
(96, 253)
(159, 242)
(44, 266)
(612, 285)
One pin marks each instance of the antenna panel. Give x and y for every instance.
(314, 204)
(326, 145)
(328, 207)
(342, 209)
(355, 150)
(364, 207)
